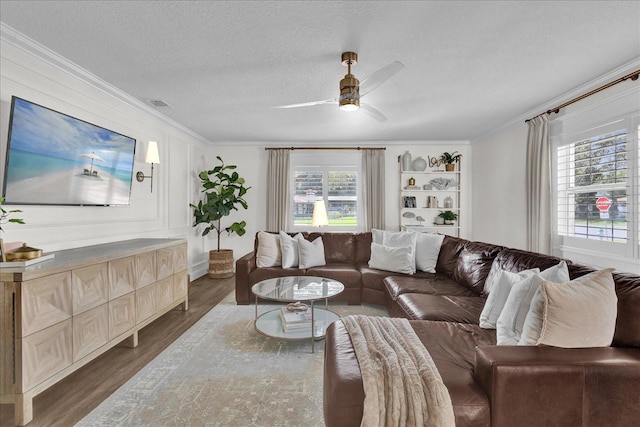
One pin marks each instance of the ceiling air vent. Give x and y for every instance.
(158, 103)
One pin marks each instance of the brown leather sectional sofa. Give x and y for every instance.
(489, 385)
(347, 256)
(493, 385)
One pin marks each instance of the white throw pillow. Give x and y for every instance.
(377, 236)
(268, 253)
(532, 324)
(396, 259)
(402, 239)
(427, 251)
(511, 321)
(490, 281)
(581, 313)
(504, 281)
(311, 254)
(289, 248)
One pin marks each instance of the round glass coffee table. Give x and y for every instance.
(292, 289)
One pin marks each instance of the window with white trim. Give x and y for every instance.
(595, 166)
(592, 188)
(332, 176)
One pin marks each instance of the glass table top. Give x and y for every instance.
(297, 288)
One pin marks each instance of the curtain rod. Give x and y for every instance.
(633, 76)
(325, 148)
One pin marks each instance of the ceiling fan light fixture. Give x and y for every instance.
(349, 105)
(349, 99)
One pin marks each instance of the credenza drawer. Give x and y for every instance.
(90, 331)
(122, 314)
(45, 302)
(45, 353)
(122, 277)
(90, 287)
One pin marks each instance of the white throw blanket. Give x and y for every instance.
(402, 385)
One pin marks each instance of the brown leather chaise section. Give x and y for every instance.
(451, 346)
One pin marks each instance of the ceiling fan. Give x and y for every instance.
(352, 90)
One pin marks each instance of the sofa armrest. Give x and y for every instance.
(244, 266)
(543, 386)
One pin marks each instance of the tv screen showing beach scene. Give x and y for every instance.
(56, 159)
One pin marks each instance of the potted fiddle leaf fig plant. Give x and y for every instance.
(449, 160)
(4, 219)
(224, 192)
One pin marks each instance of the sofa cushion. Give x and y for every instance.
(268, 252)
(338, 247)
(580, 313)
(516, 260)
(427, 251)
(363, 247)
(473, 265)
(310, 254)
(289, 248)
(511, 321)
(441, 308)
(504, 281)
(448, 256)
(434, 284)
(400, 259)
(627, 325)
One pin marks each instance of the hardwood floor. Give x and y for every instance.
(68, 401)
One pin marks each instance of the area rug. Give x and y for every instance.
(221, 372)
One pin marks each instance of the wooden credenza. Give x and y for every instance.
(62, 313)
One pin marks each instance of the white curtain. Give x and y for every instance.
(538, 181)
(278, 190)
(373, 184)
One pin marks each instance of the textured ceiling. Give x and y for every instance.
(470, 66)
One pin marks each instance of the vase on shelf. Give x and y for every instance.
(450, 167)
(406, 161)
(419, 164)
(448, 202)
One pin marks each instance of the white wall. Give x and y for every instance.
(29, 71)
(252, 165)
(498, 200)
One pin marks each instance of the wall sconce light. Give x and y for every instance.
(152, 157)
(319, 217)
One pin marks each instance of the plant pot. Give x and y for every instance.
(448, 222)
(450, 167)
(221, 264)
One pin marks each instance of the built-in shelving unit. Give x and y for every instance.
(426, 193)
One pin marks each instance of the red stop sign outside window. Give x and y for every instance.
(603, 204)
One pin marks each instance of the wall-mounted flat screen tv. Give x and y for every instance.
(56, 159)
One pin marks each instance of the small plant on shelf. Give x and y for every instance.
(5, 214)
(5, 218)
(449, 159)
(448, 216)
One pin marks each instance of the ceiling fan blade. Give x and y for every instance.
(372, 112)
(379, 77)
(309, 104)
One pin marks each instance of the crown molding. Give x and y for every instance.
(43, 53)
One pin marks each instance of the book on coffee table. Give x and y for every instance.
(295, 320)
